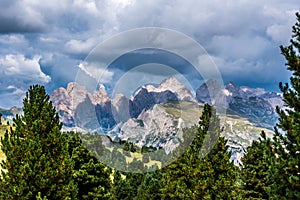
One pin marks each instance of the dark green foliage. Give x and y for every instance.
(271, 168)
(204, 171)
(136, 166)
(146, 158)
(224, 172)
(91, 176)
(146, 149)
(93, 143)
(127, 187)
(118, 160)
(287, 145)
(129, 146)
(137, 186)
(37, 158)
(256, 163)
(150, 186)
(134, 180)
(159, 155)
(122, 188)
(38, 197)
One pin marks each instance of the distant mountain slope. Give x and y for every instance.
(154, 116)
(9, 114)
(255, 104)
(76, 106)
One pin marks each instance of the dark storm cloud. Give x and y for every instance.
(53, 37)
(15, 17)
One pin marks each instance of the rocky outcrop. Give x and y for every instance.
(142, 100)
(145, 100)
(9, 114)
(208, 91)
(173, 85)
(62, 102)
(154, 127)
(120, 108)
(255, 104)
(77, 107)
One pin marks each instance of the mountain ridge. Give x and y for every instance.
(154, 115)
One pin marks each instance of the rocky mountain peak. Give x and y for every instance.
(61, 99)
(75, 87)
(77, 93)
(209, 91)
(233, 89)
(75, 101)
(153, 127)
(100, 96)
(63, 104)
(120, 108)
(231, 84)
(170, 81)
(174, 86)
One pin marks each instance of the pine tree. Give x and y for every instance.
(122, 188)
(134, 180)
(256, 163)
(285, 172)
(150, 186)
(91, 176)
(37, 159)
(203, 172)
(224, 171)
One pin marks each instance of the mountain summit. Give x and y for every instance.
(174, 86)
(155, 115)
(255, 104)
(75, 101)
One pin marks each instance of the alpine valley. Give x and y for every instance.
(155, 115)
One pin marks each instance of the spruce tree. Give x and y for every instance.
(256, 163)
(150, 186)
(122, 188)
(271, 167)
(202, 172)
(134, 180)
(37, 159)
(91, 176)
(285, 172)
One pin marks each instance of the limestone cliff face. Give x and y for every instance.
(154, 127)
(77, 107)
(154, 116)
(255, 104)
(173, 85)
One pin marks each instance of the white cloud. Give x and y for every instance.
(49, 39)
(242, 35)
(17, 74)
(18, 65)
(97, 72)
(20, 72)
(80, 46)
(12, 39)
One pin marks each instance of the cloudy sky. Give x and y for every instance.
(45, 42)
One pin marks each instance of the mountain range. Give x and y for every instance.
(154, 116)
(77, 107)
